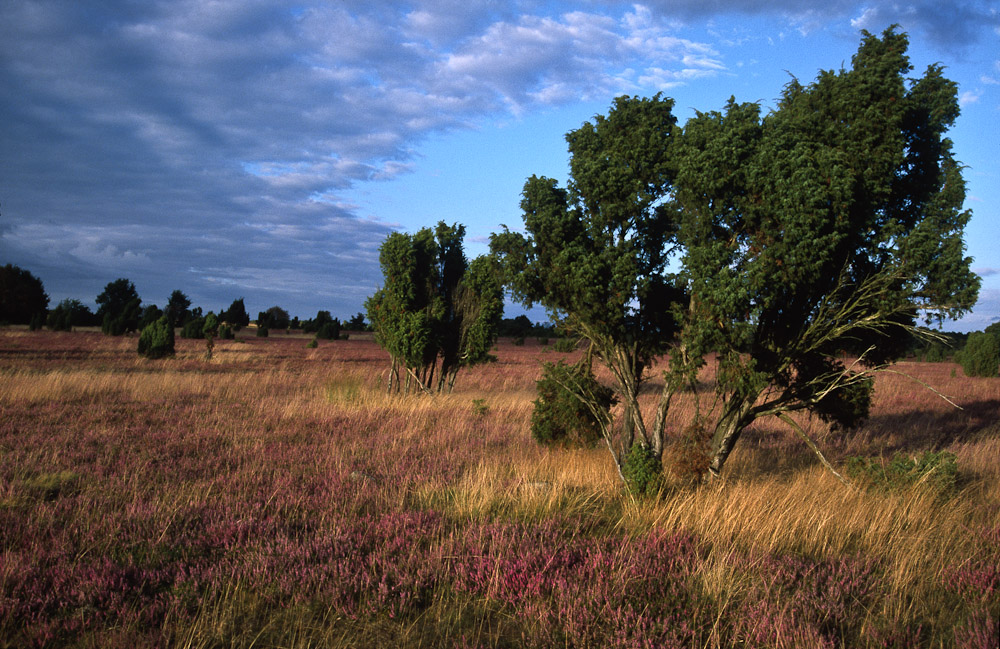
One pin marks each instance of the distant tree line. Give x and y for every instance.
(120, 311)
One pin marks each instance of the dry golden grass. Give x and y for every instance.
(774, 499)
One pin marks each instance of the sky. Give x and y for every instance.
(264, 149)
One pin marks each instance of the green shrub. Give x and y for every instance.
(543, 341)
(642, 471)
(561, 416)
(313, 344)
(262, 332)
(226, 333)
(519, 341)
(936, 353)
(37, 322)
(157, 339)
(194, 328)
(981, 356)
(480, 407)
(565, 345)
(938, 470)
(329, 330)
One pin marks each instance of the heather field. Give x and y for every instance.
(275, 496)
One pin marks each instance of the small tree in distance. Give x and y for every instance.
(210, 330)
(178, 308)
(436, 313)
(236, 315)
(119, 307)
(157, 339)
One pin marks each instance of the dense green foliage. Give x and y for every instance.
(178, 309)
(119, 307)
(330, 330)
(827, 225)
(236, 315)
(194, 328)
(274, 318)
(22, 296)
(642, 471)
(150, 314)
(937, 469)
(314, 325)
(436, 313)
(210, 330)
(595, 253)
(157, 339)
(981, 356)
(68, 314)
(572, 406)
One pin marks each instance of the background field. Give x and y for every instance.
(275, 496)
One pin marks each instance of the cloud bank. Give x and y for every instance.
(207, 145)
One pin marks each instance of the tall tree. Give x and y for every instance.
(435, 313)
(595, 254)
(22, 296)
(831, 224)
(178, 309)
(119, 307)
(274, 318)
(236, 314)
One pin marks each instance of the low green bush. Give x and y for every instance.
(157, 339)
(561, 415)
(194, 328)
(329, 330)
(642, 471)
(981, 356)
(936, 469)
(565, 345)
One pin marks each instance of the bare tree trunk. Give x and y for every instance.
(735, 419)
(660, 421)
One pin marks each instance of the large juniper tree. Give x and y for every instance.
(832, 224)
(828, 225)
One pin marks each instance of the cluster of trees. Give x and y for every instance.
(775, 245)
(120, 311)
(436, 312)
(978, 352)
(980, 356)
(521, 327)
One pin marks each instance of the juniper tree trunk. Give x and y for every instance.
(735, 418)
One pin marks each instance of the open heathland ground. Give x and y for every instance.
(275, 496)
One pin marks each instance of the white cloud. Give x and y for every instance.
(969, 97)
